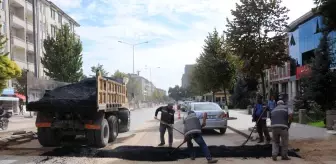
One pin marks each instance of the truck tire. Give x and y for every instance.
(113, 128)
(125, 120)
(48, 137)
(99, 138)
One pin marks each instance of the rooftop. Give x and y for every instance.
(63, 13)
(304, 18)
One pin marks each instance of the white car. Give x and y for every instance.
(217, 117)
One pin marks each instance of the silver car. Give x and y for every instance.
(217, 117)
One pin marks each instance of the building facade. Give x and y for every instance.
(17, 19)
(188, 69)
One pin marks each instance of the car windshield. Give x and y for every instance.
(210, 106)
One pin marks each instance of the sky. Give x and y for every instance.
(175, 31)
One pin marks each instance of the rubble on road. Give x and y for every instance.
(316, 150)
(149, 153)
(17, 138)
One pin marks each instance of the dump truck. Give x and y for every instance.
(94, 108)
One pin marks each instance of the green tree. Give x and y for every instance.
(20, 83)
(133, 89)
(100, 68)
(256, 34)
(8, 68)
(327, 9)
(118, 74)
(213, 70)
(175, 93)
(322, 85)
(62, 58)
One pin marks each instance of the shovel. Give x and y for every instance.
(170, 126)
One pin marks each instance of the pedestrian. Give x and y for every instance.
(167, 116)
(271, 103)
(260, 112)
(280, 122)
(193, 131)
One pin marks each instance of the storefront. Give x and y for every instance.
(11, 101)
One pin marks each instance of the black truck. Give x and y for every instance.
(96, 108)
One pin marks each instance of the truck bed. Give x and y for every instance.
(92, 94)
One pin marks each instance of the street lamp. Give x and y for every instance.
(133, 45)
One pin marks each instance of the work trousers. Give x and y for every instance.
(280, 133)
(200, 141)
(262, 129)
(163, 129)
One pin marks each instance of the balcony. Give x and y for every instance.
(18, 22)
(18, 3)
(29, 27)
(30, 47)
(18, 42)
(29, 6)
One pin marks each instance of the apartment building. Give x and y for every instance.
(17, 18)
(186, 76)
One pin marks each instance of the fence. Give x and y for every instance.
(36, 87)
(303, 116)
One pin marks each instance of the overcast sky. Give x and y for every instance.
(175, 31)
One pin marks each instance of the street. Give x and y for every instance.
(144, 132)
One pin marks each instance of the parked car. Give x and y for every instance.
(217, 117)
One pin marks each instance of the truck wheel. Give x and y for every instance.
(125, 120)
(48, 137)
(99, 138)
(113, 127)
(222, 130)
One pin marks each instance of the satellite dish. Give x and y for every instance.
(125, 80)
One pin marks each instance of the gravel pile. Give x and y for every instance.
(149, 153)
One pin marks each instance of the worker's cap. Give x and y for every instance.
(280, 102)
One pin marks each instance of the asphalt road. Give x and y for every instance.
(144, 132)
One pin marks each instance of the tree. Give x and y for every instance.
(8, 68)
(256, 34)
(327, 9)
(20, 83)
(100, 68)
(322, 85)
(62, 58)
(213, 70)
(175, 93)
(118, 74)
(133, 89)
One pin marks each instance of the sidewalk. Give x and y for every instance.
(296, 131)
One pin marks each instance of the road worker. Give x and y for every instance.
(193, 130)
(167, 116)
(280, 123)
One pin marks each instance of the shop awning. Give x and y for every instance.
(20, 96)
(8, 98)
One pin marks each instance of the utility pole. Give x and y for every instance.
(133, 46)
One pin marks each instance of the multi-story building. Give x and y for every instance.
(147, 88)
(18, 20)
(162, 91)
(186, 76)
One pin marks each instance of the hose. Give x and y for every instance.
(248, 138)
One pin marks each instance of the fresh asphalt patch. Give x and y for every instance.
(149, 153)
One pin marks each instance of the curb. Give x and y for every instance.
(239, 132)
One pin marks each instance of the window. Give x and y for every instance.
(3, 5)
(292, 41)
(53, 13)
(317, 27)
(53, 30)
(59, 18)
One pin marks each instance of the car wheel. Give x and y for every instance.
(222, 130)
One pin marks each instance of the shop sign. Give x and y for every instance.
(302, 71)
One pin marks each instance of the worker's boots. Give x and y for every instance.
(161, 144)
(285, 158)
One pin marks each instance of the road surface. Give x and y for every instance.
(144, 132)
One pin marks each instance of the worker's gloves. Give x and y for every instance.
(203, 125)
